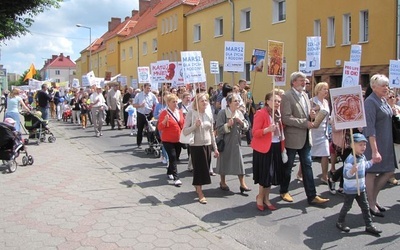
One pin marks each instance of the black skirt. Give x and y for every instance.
(201, 160)
(268, 167)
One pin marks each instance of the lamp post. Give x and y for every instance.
(90, 43)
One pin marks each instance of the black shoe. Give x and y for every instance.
(377, 214)
(332, 186)
(343, 227)
(373, 230)
(244, 189)
(381, 209)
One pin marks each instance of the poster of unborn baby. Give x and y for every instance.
(348, 107)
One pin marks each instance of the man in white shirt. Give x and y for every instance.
(97, 104)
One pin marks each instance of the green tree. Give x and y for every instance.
(20, 81)
(16, 16)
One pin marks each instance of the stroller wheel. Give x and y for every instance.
(12, 166)
(157, 153)
(41, 139)
(52, 139)
(25, 160)
(147, 151)
(30, 160)
(26, 141)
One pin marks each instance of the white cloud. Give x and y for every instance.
(55, 32)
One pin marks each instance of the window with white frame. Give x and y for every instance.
(218, 26)
(317, 27)
(197, 33)
(166, 25)
(123, 55)
(346, 29)
(144, 48)
(245, 19)
(171, 24)
(155, 45)
(130, 52)
(331, 31)
(163, 26)
(175, 22)
(364, 33)
(57, 72)
(279, 10)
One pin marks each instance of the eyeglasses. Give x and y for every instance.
(391, 97)
(235, 100)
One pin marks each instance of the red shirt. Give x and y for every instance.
(172, 130)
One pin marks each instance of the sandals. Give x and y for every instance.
(203, 200)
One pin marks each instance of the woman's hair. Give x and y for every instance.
(320, 86)
(185, 94)
(210, 89)
(171, 97)
(15, 92)
(226, 88)
(278, 91)
(268, 96)
(197, 98)
(378, 79)
(229, 98)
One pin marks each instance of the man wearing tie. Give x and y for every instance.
(296, 116)
(144, 103)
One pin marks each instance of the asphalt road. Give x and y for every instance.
(293, 226)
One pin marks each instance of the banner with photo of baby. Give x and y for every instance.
(257, 60)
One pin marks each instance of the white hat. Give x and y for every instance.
(10, 121)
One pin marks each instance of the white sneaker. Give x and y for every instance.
(131, 134)
(178, 183)
(170, 176)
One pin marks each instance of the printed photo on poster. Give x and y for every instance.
(275, 58)
(257, 60)
(348, 107)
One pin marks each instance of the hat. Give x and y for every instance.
(10, 121)
(357, 137)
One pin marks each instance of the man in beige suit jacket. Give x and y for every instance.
(296, 113)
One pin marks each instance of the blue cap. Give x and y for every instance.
(357, 137)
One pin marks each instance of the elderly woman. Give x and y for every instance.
(380, 147)
(170, 124)
(230, 122)
(391, 99)
(200, 122)
(320, 141)
(267, 147)
(13, 103)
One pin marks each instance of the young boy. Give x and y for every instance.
(350, 186)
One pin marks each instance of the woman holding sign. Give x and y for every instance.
(380, 148)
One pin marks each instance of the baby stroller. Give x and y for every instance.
(67, 113)
(152, 138)
(11, 145)
(37, 128)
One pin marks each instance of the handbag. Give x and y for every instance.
(184, 139)
(221, 145)
(396, 129)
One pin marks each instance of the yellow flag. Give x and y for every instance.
(31, 73)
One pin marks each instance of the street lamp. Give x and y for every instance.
(90, 43)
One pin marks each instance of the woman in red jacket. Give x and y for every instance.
(267, 147)
(170, 124)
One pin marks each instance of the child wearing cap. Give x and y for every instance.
(350, 185)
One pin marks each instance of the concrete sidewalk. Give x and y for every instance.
(72, 198)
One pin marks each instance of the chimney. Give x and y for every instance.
(115, 21)
(68, 58)
(143, 6)
(134, 12)
(53, 57)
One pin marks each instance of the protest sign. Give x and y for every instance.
(234, 56)
(313, 53)
(303, 68)
(355, 53)
(275, 58)
(193, 67)
(143, 74)
(394, 74)
(257, 60)
(159, 71)
(351, 74)
(281, 80)
(214, 67)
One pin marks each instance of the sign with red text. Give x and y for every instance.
(351, 74)
(159, 71)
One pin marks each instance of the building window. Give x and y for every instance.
(123, 55)
(220, 76)
(346, 29)
(144, 48)
(171, 24)
(58, 81)
(219, 26)
(246, 73)
(245, 19)
(162, 26)
(155, 45)
(57, 72)
(317, 27)
(175, 22)
(364, 26)
(166, 25)
(331, 31)
(197, 33)
(279, 9)
(130, 52)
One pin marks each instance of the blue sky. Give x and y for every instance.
(55, 32)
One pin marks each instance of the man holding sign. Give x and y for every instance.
(296, 113)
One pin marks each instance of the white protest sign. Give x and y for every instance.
(303, 68)
(351, 74)
(122, 80)
(175, 74)
(214, 67)
(134, 83)
(355, 53)
(193, 67)
(281, 80)
(313, 53)
(143, 74)
(234, 56)
(85, 82)
(35, 84)
(394, 74)
(153, 84)
(75, 83)
(159, 71)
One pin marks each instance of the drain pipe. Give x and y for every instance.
(232, 32)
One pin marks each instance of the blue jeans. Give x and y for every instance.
(306, 170)
(45, 112)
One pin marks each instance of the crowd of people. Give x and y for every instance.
(286, 124)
